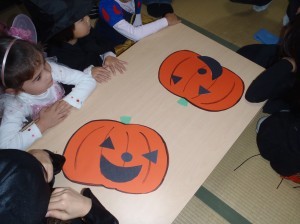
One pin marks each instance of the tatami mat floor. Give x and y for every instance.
(233, 22)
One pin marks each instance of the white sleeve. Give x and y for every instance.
(84, 83)
(137, 33)
(138, 20)
(11, 136)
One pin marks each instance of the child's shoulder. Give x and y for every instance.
(105, 3)
(12, 103)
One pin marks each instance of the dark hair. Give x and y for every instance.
(65, 35)
(290, 45)
(21, 63)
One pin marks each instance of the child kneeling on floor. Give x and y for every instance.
(32, 92)
(278, 135)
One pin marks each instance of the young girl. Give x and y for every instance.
(32, 92)
(277, 84)
(121, 19)
(278, 134)
(71, 38)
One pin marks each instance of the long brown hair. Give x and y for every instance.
(290, 45)
(22, 60)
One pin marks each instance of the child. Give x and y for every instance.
(71, 39)
(277, 84)
(32, 92)
(278, 142)
(27, 198)
(121, 19)
(278, 134)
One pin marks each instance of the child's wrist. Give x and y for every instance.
(40, 124)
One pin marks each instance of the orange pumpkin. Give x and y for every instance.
(201, 80)
(127, 157)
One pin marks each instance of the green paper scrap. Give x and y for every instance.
(183, 102)
(125, 119)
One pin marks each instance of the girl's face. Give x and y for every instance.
(82, 27)
(40, 82)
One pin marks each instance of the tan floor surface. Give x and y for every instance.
(233, 22)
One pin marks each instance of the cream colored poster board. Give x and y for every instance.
(196, 139)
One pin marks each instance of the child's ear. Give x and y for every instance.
(11, 91)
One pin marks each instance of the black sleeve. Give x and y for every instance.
(264, 55)
(273, 83)
(98, 213)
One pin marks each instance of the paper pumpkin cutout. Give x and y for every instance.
(127, 157)
(201, 80)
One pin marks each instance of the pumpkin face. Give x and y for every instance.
(201, 80)
(126, 157)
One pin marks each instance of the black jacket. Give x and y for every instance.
(278, 140)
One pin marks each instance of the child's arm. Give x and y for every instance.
(272, 83)
(112, 13)
(11, 135)
(139, 32)
(84, 83)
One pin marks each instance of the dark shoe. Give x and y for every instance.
(253, 2)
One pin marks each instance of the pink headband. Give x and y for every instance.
(4, 61)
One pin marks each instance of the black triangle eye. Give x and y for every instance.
(175, 79)
(202, 71)
(107, 144)
(152, 156)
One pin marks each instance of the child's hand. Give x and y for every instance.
(45, 160)
(53, 115)
(66, 203)
(101, 74)
(114, 64)
(172, 19)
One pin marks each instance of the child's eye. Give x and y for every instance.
(38, 78)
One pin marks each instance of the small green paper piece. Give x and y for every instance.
(183, 102)
(125, 119)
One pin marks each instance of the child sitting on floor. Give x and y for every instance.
(121, 19)
(71, 38)
(279, 134)
(32, 92)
